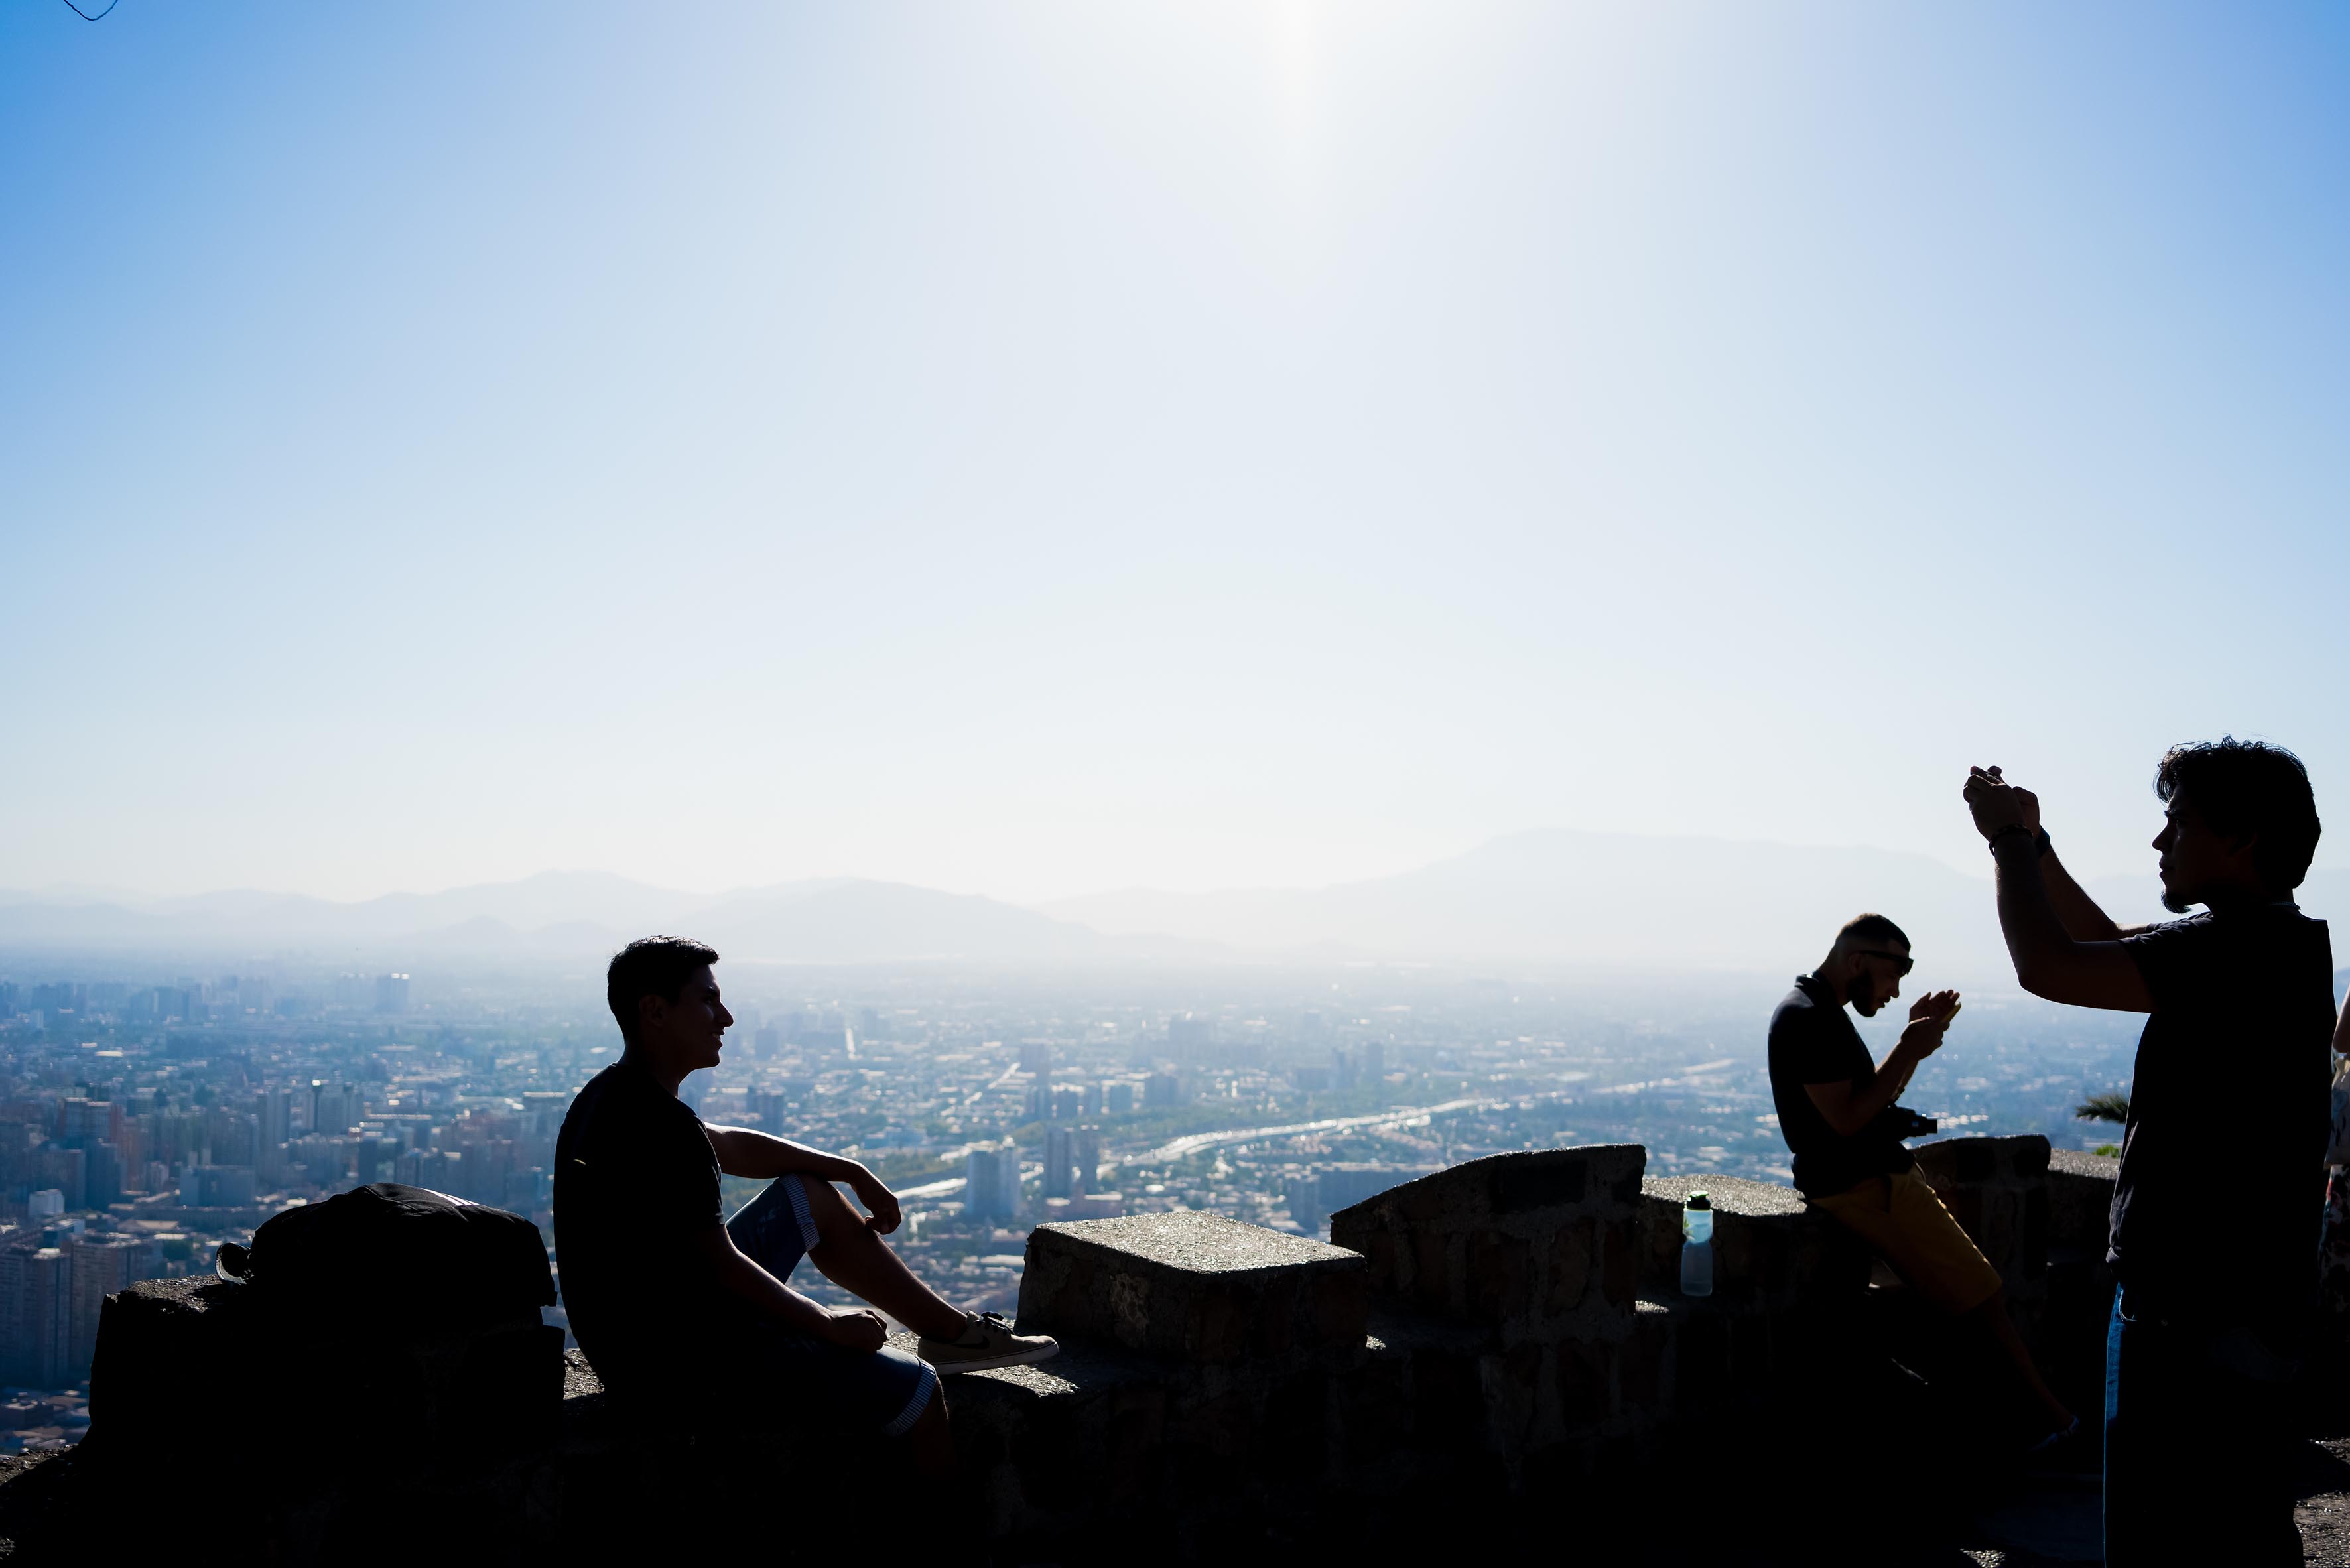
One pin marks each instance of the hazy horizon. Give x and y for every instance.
(1033, 450)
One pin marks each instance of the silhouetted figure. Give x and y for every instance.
(686, 1311)
(2222, 1157)
(1837, 1111)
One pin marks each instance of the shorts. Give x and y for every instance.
(1906, 1223)
(775, 1370)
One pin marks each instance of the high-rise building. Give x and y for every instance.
(35, 1314)
(1060, 1161)
(991, 1181)
(1189, 1035)
(100, 1265)
(1161, 1089)
(1118, 1098)
(391, 994)
(1374, 1060)
(334, 1107)
(64, 1170)
(1037, 1057)
(1089, 1159)
(102, 1174)
(274, 1110)
(217, 1187)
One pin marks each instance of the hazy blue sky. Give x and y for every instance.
(1030, 449)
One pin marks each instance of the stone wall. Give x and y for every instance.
(1502, 1335)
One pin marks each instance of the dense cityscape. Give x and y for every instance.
(149, 1122)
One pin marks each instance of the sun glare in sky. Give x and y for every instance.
(1036, 449)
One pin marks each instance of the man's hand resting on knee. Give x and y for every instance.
(855, 1328)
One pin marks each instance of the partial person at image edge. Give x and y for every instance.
(2215, 1220)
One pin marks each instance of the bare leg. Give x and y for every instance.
(929, 1442)
(861, 1263)
(1994, 1319)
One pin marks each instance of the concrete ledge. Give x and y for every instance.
(1998, 1189)
(1538, 1246)
(1194, 1287)
(1771, 1250)
(2080, 1202)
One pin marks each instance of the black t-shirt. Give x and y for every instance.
(2217, 1205)
(1813, 1041)
(636, 1190)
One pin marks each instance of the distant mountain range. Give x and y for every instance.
(572, 914)
(1562, 896)
(1549, 898)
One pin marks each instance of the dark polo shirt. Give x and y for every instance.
(2218, 1203)
(1813, 1040)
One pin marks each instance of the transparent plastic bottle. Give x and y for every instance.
(1696, 1245)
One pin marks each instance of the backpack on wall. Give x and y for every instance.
(402, 1320)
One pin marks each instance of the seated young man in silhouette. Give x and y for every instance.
(2222, 1157)
(676, 1305)
(1837, 1111)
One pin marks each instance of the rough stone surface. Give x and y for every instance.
(1772, 1252)
(1194, 1286)
(1538, 1246)
(2080, 1199)
(1224, 1393)
(1998, 1189)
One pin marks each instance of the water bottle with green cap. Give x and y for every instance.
(1696, 1245)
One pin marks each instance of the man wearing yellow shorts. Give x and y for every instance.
(1836, 1110)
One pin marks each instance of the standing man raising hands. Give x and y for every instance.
(2212, 1237)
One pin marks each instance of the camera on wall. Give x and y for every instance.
(1904, 1123)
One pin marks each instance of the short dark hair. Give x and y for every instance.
(1871, 929)
(651, 966)
(2248, 789)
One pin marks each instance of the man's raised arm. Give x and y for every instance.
(744, 1151)
(2083, 920)
(1849, 1110)
(2050, 960)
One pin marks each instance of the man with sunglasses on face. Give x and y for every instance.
(1836, 1110)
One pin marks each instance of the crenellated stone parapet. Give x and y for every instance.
(1477, 1343)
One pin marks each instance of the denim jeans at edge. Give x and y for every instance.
(2199, 1445)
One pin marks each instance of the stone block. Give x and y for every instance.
(1644, 1369)
(1771, 1249)
(1996, 1187)
(1194, 1287)
(1973, 1161)
(2080, 1202)
(1539, 1246)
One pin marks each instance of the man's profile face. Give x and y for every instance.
(687, 1031)
(1876, 981)
(2193, 858)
